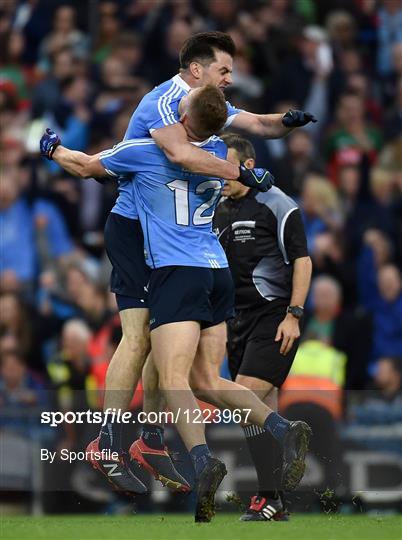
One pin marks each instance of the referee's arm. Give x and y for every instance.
(296, 247)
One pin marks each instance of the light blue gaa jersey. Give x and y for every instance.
(157, 109)
(175, 206)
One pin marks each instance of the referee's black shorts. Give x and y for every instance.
(252, 349)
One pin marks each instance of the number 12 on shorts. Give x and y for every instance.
(182, 201)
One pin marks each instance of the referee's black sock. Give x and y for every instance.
(263, 450)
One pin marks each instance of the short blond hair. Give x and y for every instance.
(323, 191)
(380, 177)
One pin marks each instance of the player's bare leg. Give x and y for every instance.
(174, 346)
(293, 436)
(149, 450)
(126, 365)
(122, 377)
(210, 386)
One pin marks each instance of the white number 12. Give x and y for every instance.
(181, 200)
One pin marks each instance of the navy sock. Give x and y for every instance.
(277, 426)
(110, 437)
(199, 456)
(153, 436)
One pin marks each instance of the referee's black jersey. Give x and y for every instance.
(262, 234)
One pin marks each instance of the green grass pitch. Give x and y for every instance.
(181, 527)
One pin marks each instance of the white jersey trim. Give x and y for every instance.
(178, 79)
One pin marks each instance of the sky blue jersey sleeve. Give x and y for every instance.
(232, 113)
(127, 157)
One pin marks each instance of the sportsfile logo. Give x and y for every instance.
(111, 416)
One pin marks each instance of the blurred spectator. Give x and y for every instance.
(71, 116)
(360, 84)
(14, 321)
(349, 179)
(70, 369)
(90, 299)
(388, 377)
(221, 14)
(65, 34)
(109, 29)
(33, 19)
(341, 27)
(381, 407)
(271, 39)
(351, 139)
(389, 32)
(70, 375)
(300, 160)
(347, 330)
(321, 210)
(46, 94)
(22, 396)
(12, 68)
(17, 264)
(380, 290)
(44, 230)
(303, 79)
(389, 83)
(178, 31)
(382, 189)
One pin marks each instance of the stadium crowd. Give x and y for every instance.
(82, 68)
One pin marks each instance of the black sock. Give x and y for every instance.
(110, 437)
(153, 436)
(263, 450)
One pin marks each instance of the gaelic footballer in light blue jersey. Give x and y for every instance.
(157, 109)
(175, 206)
(160, 108)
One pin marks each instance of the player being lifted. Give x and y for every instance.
(191, 291)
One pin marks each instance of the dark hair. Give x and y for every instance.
(208, 111)
(349, 92)
(201, 48)
(244, 148)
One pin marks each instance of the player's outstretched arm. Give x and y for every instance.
(74, 162)
(272, 126)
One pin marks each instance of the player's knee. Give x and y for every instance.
(172, 381)
(138, 347)
(203, 383)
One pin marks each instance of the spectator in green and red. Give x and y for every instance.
(13, 72)
(352, 139)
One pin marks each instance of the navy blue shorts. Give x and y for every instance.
(187, 293)
(124, 244)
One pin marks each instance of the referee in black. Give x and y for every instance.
(265, 243)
